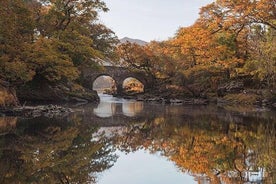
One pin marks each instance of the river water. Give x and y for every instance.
(128, 142)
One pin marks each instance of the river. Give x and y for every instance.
(128, 142)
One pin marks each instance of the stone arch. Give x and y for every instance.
(103, 75)
(136, 87)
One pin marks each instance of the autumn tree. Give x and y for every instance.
(167, 65)
(239, 19)
(262, 60)
(16, 37)
(71, 26)
(52, 39)
(104, 40)
(223, 40)
(137, 57)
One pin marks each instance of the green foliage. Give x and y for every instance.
(16, 32)
(50, 63)
(16, 71)
(104, 40)
(79, 48)
(51, 39)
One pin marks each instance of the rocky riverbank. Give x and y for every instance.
(232, 93)
(36, 111)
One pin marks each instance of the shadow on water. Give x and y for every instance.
(133, 142)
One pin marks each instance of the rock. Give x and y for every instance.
(232, 87)
(176, 101)
(45, 92)
(36, 111)
(265, 102)
(200, 101)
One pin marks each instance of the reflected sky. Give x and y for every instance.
(140, 168)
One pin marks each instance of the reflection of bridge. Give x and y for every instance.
(115, 114)
(107, 109)
(112, 111)
(119, 74)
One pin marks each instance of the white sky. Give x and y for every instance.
(150, 19)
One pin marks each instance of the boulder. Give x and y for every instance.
(56, 93)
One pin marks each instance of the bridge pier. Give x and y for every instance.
(119, 89)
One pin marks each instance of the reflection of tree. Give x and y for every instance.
(210, 145)
(7, 124)
(53, 151)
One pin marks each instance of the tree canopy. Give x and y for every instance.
(51, 39)
(236, 38)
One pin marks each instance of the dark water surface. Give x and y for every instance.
(127, 142)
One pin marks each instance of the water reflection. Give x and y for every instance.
(110, 106)
(105, 109)
(212, 147)
(132, 109)
(53, 151)
(176, 144)
(144, 170)
(7, 124)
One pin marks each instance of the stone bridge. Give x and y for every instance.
(118, 74)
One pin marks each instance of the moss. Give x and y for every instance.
(242, 98)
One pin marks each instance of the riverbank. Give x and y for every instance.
(231, 94)
(266, 98)
(36, 111)
(61, 110)
(36, 99)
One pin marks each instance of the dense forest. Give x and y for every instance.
(49, 41)
(232, 45)
(231, 48)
